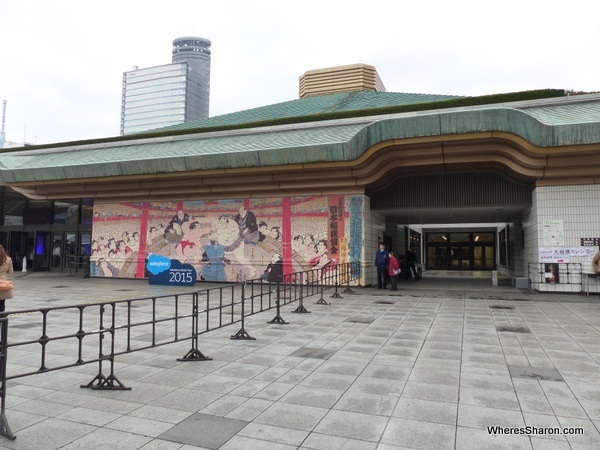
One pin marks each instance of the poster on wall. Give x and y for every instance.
(553, 233)
(228, 240)
(551, 273)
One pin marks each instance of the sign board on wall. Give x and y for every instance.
(171, 272)
(554, 234)
(564, 254)
(593, 242)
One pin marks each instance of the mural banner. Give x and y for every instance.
(227, 240)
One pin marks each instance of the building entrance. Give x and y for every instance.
(461, 251)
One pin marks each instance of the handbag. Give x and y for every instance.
(397, 271)
(6, 285)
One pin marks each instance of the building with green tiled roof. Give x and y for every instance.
(499, 183)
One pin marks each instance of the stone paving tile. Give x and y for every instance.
(433, 376)
(567, 407)
(427, 391)
(287, 415)
(311, 396)
(543, 443)
(356, 401)
(385, 372)
(534, 403)
(473, 438)
(223, 405)
(249, 409)
(545, 421)
(486, 381)
(481, 417)
(379, 386)
(323, 380)
(246, 443)
(274, 434)
(352, 425)
(220, 384)
(417, 434)
(591, 435)
(160, 414)
(184, 399)
(159, 444)
(53, 434)
(320, 441)
(426, 411)
(489, 398)
(89, 416)
(139, 425)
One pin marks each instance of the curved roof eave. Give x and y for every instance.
(336, 141)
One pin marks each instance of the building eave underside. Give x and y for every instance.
(379, 165)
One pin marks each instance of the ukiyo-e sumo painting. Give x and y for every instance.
(228, 240)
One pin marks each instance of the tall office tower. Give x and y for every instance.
(171, 94)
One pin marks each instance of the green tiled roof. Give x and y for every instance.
(318, 104)
(543, 123)
(564, 114)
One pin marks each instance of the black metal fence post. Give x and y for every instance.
(301, 309)
(278, 318)
(4, 427)
(349, 277)
(322, 301)
(243, 334)
(194, 354)
(110, 382)
(336, 294)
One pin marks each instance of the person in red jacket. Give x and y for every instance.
(394, 271)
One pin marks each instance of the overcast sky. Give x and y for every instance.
(61, 62)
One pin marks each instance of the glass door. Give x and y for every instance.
(460, 255)
(56, 261)
(483, 257)
(41, 251)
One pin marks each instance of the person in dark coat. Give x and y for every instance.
(382, 262)
(274, 270)
(411, 262)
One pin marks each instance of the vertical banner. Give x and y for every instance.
(335, 228)
(355, 211)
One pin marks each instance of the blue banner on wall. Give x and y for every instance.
(171, 272)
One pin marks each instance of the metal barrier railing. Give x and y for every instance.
(129, 325)
(556, 277)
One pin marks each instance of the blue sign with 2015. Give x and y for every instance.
(170, 272)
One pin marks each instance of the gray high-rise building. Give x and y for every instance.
(171, 94)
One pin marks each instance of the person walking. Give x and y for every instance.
(6, 268)
(411, 261)
(381, 262)
(394, 271)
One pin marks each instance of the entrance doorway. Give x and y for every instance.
(461, 251)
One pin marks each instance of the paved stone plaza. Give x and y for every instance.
(430, 366)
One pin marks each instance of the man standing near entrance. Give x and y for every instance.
(411, 263)
(381, 262)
